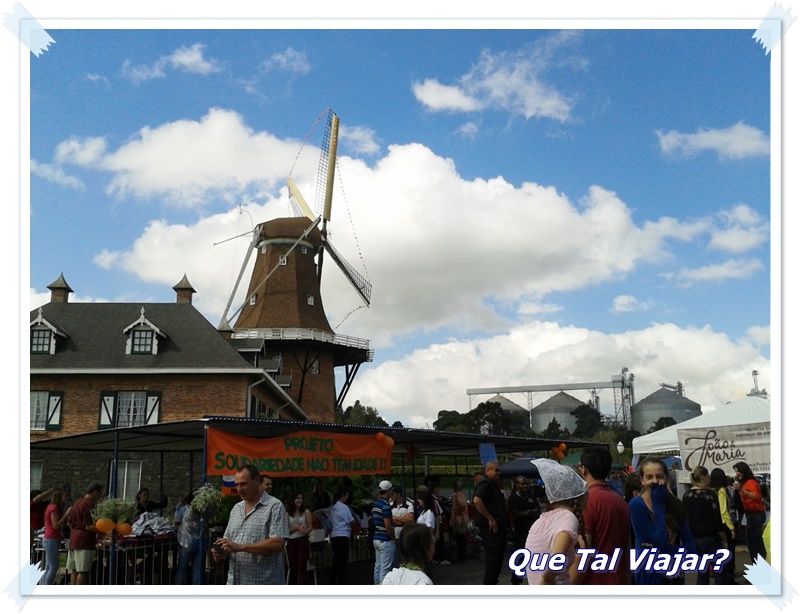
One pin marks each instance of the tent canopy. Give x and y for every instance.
(744, 411)
(519, 466)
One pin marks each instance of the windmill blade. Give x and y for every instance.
(359, 282)
(298, 200)
(326, 168)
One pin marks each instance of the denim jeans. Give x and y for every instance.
(51, 560)
(195, 555)
(753, 534)
(384, 555)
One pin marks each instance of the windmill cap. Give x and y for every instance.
(561, 483)
(385, 485)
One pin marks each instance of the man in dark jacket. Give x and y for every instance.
(492, 520)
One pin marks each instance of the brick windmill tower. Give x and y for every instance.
(283, 317)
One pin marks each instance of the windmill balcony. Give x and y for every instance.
(303, 334)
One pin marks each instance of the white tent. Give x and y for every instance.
(748, 410)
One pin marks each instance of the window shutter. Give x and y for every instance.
(107, 402)
(54, 411)
(153, 407)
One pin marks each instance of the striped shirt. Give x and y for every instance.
(266, 519)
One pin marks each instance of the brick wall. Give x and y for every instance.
(183, 397)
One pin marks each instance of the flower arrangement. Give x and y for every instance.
(206, 500)
(118, 510)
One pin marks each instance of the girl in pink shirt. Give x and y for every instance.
(557, 530)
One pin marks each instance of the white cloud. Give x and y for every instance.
(537, 308)
(290, 60)
(509, 81)
(731, 269)
(106, 259)
(713, 368)
(190, 59)
(760, 335)
(742, 230)
(359, 139)
(438, 97)
(625, 303)
(55, 174)
(440, 248)
(190, 162)
(96, 78)
(185, 59)
(37, 299)
(80, 152)
(468, 130)
(733, 143)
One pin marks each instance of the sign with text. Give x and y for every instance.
(724, 446)
(300, 454)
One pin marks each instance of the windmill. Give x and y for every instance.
(283, 306)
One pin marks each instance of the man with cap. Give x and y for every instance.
(383, 532)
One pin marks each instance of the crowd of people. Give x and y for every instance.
(267, 541)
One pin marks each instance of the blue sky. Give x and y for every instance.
(533, 206)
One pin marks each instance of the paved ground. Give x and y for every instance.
(471, 572)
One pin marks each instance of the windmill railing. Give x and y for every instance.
(301, 334)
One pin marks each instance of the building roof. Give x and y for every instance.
(667, 398)
(561, 401)
(506, 404)
(188, 436)
(97, 341)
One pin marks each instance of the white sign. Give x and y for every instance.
(724, 446)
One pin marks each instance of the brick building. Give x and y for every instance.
(105, 365)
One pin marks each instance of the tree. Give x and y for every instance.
(397, 424)
(361, 415)
(489, 418)
(554, 431)
(588, 422)
(452, 421)
(662, 423)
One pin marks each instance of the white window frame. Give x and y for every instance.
(315, 367)
(37, 467)
(253, 299)
(40, 401)
(310, 299)
(282, 260)
(127, 490)
(304, 249)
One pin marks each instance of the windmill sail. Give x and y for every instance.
(358, 281)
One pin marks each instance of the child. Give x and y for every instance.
(416, 550)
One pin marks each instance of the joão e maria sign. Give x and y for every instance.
(300, 454)
(724, 446)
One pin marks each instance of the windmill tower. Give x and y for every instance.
(283, 306)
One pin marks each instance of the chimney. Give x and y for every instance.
(59, 290)
(183, 291)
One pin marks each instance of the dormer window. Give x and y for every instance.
(43, 335)
(40, 340)
(142, 341)
(142, 336)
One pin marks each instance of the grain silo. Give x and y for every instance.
(667, 402)
(559, 407)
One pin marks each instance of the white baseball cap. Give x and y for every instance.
(385, 485)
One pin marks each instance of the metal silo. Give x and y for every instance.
(559, 407)
(667, 402)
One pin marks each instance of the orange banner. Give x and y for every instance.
(300, 454)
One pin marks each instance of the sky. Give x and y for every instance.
(531, 206)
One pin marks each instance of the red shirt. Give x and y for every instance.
(607, 522)
(80, 516)
(751, 505)
(51, 532)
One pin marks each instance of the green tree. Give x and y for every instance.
(361, 415)
(662, 423)
(452, 421)
(554, 431)
(397, 424)
(588, 422)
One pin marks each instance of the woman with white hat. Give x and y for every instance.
(557, 530)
